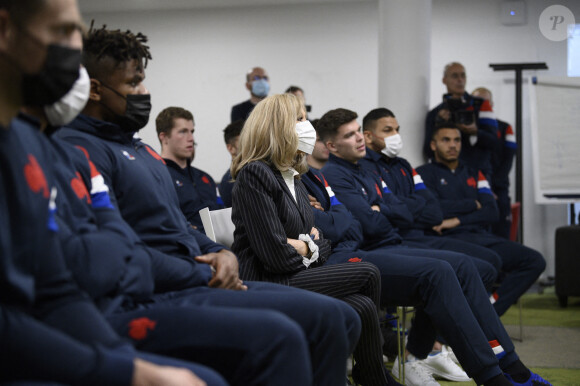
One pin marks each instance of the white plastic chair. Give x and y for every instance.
(218, 225)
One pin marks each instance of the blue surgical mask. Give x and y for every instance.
(260, 88)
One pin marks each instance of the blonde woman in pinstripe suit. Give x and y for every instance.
(271, 210)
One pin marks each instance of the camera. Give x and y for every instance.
(461, 112)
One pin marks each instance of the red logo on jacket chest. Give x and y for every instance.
(35, 177)
(139, 327)
(79, 188)
(471, 182)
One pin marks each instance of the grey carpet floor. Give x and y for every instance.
(548, 346)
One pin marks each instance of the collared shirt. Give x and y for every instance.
(289, 176)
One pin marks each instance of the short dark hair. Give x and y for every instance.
(441, 124)
(314, 122)
(330, 122)
(233, 130)
(293, 89)
(118, 46)
(22, 10)
(165, 119)
(372, 116)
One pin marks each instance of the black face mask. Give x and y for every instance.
(59, 73)
(136, 113)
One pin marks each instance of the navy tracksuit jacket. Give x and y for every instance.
(141, 187)
(50, 330)
(437, 283)
(457, 192)
(406, 184)
(502, 160)
(196, 190)
(225, 187)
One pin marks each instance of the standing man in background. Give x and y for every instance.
(473, 116)
(259, 87)
(502, 159)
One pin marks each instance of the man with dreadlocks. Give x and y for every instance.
(142, 189)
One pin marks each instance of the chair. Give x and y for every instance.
(218, 225)
(567, 263)
(515, 209)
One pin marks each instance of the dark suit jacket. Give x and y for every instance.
(265, 215)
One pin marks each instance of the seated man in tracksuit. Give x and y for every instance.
(142, 189)
(383, 141)
(359, 191)
(195, 188)
(468, 210)
(50, 331)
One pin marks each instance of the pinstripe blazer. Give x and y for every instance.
(265, 215)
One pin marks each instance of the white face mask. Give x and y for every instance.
(65, 110)
(306, 136)
(393, 145)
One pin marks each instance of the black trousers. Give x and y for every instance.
(359, 285)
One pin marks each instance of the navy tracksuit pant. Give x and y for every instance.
(487, 262)
(450, 299)
(522, 265)
(331, 330)
(503, 225)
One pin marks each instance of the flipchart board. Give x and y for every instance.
(555, 136)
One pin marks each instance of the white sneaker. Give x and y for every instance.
(451, 354)
(415, 374)
(441, 366)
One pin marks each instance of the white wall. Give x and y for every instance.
(331, 50)
(200, 58)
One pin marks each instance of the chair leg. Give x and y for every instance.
(401, 319)
(520, 338)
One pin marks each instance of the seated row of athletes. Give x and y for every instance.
(110, 204)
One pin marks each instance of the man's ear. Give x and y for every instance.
(368, 135)
(330, 146)
(249, 86)
(162, 136)
(231, 149)
(96, 89)
(432, 145)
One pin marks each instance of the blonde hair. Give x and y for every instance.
(269, 135)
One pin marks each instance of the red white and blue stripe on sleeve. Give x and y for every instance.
(482, 184)
(333, 199)
(510, 138)
(386, 189)
(486, 115)
(418, 181)
(218, 197)
(99, 189)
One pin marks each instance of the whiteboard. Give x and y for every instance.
(555, 136)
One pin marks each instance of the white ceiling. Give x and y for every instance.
(89, 6)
